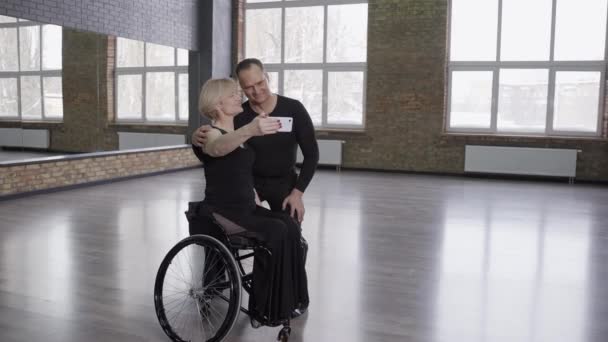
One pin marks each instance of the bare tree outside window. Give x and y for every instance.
(152, 82)
(525, 67)
(30, 70)
(315, 53)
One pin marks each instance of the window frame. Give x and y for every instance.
(551, 65)
(325, 66)
(42, 73)
(142, 71)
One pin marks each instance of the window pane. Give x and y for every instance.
(5, 19)
(576, 101)
(471, 99)
(182, 57)
(29, 48)
(129, 97)
(159, 55)
(473, 31)
(347, 33)
(263, 34)
(160, 96)
(580, 30)
(53, 97)
(183, 97)
(30, 97)
(8, 49)
(307, 87)
(273, 81)
(129, 53)
(526, 30)
(304, 35)
(8, 97)
(51, 47)
(522, 100)
(345, 98)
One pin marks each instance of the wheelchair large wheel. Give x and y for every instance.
(197, 293)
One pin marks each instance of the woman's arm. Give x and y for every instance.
(219, 144)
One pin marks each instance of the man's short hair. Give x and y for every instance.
(248, 63)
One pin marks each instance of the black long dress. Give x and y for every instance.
(279, 280)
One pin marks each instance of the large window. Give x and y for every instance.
(527, 67)
(151, 82)
(30, 70)
(315, 52)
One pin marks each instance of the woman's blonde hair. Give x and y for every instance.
(212, 92)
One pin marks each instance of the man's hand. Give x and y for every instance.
(199, 137)
(294, 200)
(263, 125)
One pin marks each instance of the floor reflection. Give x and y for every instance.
(513, 269)
(44, 261)
(392, 258)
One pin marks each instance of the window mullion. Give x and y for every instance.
(550, 102)
(325, 85)
(553, 24)
(283, 24)
(19, 107)
(495, 84)
(325, 92)
(496, 72)
(602, 97)
(176, 86)
(42, 107)
(143, 88)
(499, 32)
(601, 106)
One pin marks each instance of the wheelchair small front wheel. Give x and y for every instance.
(197, 293)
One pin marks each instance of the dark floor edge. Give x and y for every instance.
(93, 183)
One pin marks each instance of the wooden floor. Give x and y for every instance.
(392, 258)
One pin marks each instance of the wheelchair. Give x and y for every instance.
(201, 281)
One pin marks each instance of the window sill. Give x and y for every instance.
(142, 125)
(325, 131)
(30, 124)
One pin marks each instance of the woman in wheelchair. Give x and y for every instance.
(278, 283)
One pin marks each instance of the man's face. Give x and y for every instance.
(254, 85)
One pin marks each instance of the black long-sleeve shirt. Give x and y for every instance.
(276, 153)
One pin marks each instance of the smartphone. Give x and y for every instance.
(286, 123)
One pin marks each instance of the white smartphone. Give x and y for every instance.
(286, 123)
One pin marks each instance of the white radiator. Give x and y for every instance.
(131, 140)
(520, 161)
(330, 153)
(18, 137)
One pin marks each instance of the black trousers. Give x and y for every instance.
(279, 279)
(275, 189)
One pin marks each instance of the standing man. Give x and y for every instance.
(275, 176)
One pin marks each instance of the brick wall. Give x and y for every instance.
(406, 88)
(84, 99)
(164, 22)
(57, 174)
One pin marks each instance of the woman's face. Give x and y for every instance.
(230, 103)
